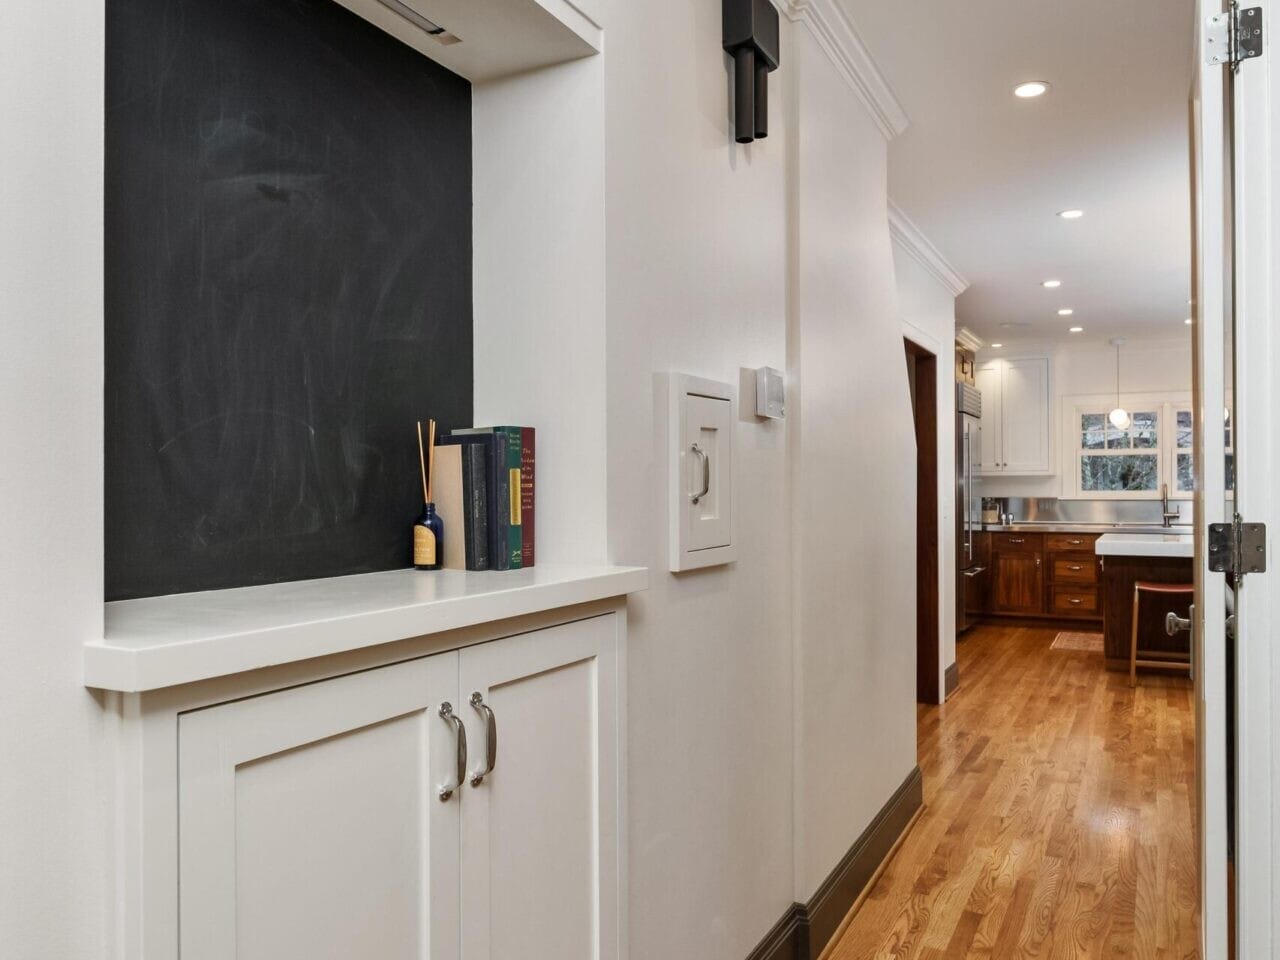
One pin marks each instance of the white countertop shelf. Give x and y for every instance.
(165, 641)
(1145, 545)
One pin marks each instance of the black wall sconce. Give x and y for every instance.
(751, 38)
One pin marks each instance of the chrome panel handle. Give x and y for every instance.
(706, 474)
(447, 715)
(1174, 624)
(491, 736)
(1075, 566)
(974, 571)
(1016, 540)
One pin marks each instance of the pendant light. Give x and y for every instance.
(1119, 417)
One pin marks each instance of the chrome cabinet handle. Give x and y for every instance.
(1075, 566)
(491, 736)
(974, 571)
(1075, 543)
(1015, 540)
(447, 715)
(706, 474)
(1076, 600)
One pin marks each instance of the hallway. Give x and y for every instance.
(1058, 820)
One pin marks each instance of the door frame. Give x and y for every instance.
(922, 367)
(1257, 408)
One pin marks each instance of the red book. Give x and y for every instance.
(526, 496)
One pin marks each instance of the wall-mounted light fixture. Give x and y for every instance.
(751, 38)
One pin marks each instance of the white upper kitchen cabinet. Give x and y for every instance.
(1015, 417)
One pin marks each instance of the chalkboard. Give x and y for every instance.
(288, 288)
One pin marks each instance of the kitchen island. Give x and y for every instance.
(1126, 558)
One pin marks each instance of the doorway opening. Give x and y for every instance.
(922, 377)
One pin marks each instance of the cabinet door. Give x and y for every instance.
(311, 823)
(1019, 583)
(540, 832)
(1025, 413)
(988, 447)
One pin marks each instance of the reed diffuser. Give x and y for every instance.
(428, 531)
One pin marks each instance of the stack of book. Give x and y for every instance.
(484, 494)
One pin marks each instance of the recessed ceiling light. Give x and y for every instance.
(1065, 312)
(1051, 284)
(1077, 330)
(1032, 88)
(1072, 214)
(997, 345)
(1187, 321)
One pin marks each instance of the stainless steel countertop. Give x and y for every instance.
(1044, 527)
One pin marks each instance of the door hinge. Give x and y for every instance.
(1233, 36)
(1238, 547)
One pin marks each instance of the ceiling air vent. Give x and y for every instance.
(436, 32)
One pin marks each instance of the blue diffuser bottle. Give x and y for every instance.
(428, 531)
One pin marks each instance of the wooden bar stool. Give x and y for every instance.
(1157, 659)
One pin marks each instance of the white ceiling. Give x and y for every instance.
(983, 173)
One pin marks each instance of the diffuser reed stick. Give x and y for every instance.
(431, 459)
(422, 465)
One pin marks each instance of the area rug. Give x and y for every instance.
(1086, 642)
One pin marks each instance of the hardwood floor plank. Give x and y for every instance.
(1059, 816)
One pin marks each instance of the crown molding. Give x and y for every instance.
(839, 40)
(908, 236)
(969, 340)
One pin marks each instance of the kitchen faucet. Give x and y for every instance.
(1164, 507)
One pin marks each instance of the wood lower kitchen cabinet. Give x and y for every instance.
(1052, 575)
(1073, 575)
(342, 818)
(1017, 564)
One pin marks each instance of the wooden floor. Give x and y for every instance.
(1059, 815)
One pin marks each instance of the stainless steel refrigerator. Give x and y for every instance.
(971, 574)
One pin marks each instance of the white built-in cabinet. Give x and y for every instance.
(452, 795)
(328, 821)
(1014, 431)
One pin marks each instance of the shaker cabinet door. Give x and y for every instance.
(987, 448)
(311, 826)
(1025, 408)
(540, 831)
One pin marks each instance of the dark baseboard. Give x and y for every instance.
(950, 680)
(789, 938)
(804, 930)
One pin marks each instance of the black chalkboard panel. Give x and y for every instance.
(288, 288)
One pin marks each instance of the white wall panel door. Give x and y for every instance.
(310, 821)
(540, 866)
(1025, 411)
(709, 465)
(987, 378)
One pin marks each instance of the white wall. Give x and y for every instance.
(1153, 366)
(853, 477)
(697, 248)
(538, 180)
(928, 312)
(55, 740)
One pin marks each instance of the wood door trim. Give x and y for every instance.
(922, 376)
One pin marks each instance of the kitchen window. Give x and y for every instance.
(1133, 463)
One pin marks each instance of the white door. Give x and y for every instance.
(1025, 416)
(708, 425)
(540, 831)
(987, 378)
(311, 824)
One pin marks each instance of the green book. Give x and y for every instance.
(515, 530)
